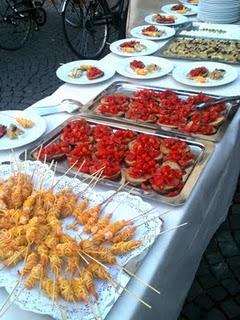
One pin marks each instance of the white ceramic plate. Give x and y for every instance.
(29, 135)
(180, 74)
(165, 67)
(189, 2)
(137, 32)
(151, 47)
(168, 9)
(180, 19)
(63, 71)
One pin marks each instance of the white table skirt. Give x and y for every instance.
(173, 260)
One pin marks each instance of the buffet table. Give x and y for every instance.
(172, 262)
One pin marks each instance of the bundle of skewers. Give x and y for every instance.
(68, 244)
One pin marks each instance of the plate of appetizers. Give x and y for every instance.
(192, 2)
(145, 67)
(133, 47)
(18, 128)
(84, 72)
(166, 19)
(152, 32)
(205, 74)
(180, 8)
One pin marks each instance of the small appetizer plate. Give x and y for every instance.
(165, 33)
(179, 19)
(163, 67)
(27, 135)
(192, 2)
(65, 72)
(180, 74)
(148, 47)
(192, 10)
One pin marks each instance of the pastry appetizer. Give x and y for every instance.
(159, 18)
(132, 46)
(141, 69)
(152, 31)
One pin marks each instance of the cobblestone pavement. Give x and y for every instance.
(28, 75)
(215, 293)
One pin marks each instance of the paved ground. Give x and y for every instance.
(28, 75)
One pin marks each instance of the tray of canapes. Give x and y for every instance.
(166, 110)
(152, 164)
(201, 48)
(66, 250)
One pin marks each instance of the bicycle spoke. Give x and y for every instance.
(85, 29)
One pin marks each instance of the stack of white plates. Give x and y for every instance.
(219, 11)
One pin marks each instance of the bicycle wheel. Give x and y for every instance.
(84, 27)
(14, 27)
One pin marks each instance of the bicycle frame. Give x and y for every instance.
(14, 8)
(106, 7)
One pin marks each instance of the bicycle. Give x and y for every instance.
(17, 19)
(87, 23)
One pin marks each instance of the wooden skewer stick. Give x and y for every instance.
(38, 156)
(75, 175)
(42, 175)
(54, 172)
(126, 270)
(13, 260)
(15, 160)
(105, 202)
(45, 174)
(16, 286)
(93, 174)
(12, 169)
(64, 175)
(79, 169)
(62, 313)
(10, 295)
(141, 214)
(97, 261)
(116, 284)
(165, 231)
(139, 279)
(96, 177)
(84, 259)
(12, 301)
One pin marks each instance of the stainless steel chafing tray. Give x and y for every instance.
(126, 88)
(163, 51)
(201, 149)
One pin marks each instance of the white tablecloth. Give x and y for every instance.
(173, 260)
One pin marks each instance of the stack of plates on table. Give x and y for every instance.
(219, 11)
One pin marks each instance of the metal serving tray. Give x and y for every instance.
(129, 88)
(162, 51)
(202, 150)
(210, 30)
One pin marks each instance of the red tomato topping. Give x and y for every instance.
(137, 64)
(166, 177)
(94, 73)
(150, 28)
(182, 157)
(54, 150)
(129, 44)
(164, 19)
(200, 71)
(164, 108)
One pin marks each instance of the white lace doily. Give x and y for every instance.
(124, 205)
